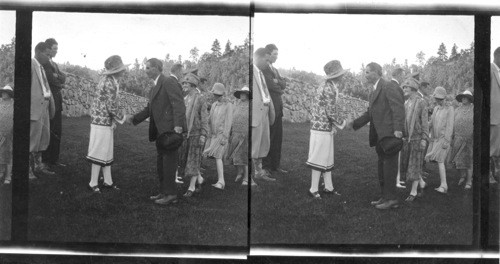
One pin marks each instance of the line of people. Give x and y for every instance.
(179, 123)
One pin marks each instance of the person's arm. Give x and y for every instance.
(450, 118)
(228, 121)
(141, 116)
(332, 109)
(424, 113)
(177, 102)
(60, 75)
(111, 93)
(204, 114)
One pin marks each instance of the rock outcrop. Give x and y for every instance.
(79, 92)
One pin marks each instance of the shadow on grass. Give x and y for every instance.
(283, 213)
(62, 209)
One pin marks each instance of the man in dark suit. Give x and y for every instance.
(166, 112)
(386, 115)
(56, 79)
(276, 85)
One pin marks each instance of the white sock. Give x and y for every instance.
(94, 175)
(106, 171)
(315, 175)
(327, 177)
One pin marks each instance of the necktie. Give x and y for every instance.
(44, 81)
(264, 85)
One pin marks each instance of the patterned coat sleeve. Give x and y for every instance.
(424, 119)
(204, 114)
(111, 94)
(332, 109)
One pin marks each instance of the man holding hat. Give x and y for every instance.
(167, 113)
(386, 115)
(42, 109)
(263, 114)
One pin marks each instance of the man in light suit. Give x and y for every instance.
(495, 114)
(167, 113)
(262, 115)
(42, 109)
(386, 115)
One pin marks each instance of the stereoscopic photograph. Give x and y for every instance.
(7, 66)
(139, 129)
(362, 129)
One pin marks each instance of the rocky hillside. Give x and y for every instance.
(79, 92)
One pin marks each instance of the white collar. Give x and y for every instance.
(376, 83)
(174, 77)
(158, 77)
(395, 81)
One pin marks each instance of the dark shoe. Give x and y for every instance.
(326, 191)
(420, 192)
(156, 197)
(169, 199)
(45, 171)
(109, 187)
(197, 189)
(410, 198)
(280, 170)
(389, 204)
(189, 193)
(264, 177)
(379, 201)
(314, 195)
(94, 189)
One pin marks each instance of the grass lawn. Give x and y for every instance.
(62, 209)
(283, 213)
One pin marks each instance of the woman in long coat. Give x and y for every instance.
(441, 130)
(461, 151)
(416, 136)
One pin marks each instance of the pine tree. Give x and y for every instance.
(442, 53)
(216, 48)
(194, 54)
(227, 50)
(421, 58)
(454, 52)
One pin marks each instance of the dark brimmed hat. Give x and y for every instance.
(245, 89)
(169, 141)
(113, 65)
(7, 89)
(218, 89)
(466, 94)
(333, 69)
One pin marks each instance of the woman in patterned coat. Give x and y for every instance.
(441, 130)
(416, 136)
(326, 115)
(6, 131)
(197, 130)
(104, 116)
(461, 150)
(238, 141)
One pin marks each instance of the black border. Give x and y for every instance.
(20, 197)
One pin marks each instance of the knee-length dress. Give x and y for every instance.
(104, 111)
(416, 128)
(219, 124)
(6, 130)
(441, 130)
(197, 124)
(461, 150)
(238, 143)
(325, 115)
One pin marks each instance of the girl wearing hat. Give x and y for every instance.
(325, 117)
(238, 142)
(417, 133)
(219, 123)
(461, 151)
(6, 132)
(104, 116)
(441, 130)
(197, 130)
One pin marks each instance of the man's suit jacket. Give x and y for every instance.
(56, 83)
(165, 108)
(38, 102)
(386, 112)
(495, 96)
(275, 89)
(399, 86)
(258, 107)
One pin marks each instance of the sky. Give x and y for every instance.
(308, 41)
(87, 39)
(7, 26)
(495, 38)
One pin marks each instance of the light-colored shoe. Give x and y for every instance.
(219, 185)
(7, 181)
(238, 178)
(461, 181)
(442, 190)
(264, 177)
(468, 186)
(400, 186)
